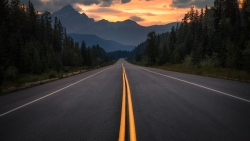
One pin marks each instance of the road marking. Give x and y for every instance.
(51, 93)
(197, 85)
(126, 90)
(132, 130)
(123, 110)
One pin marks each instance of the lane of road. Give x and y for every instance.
(164, 108)
(169, 109)
(88, 110)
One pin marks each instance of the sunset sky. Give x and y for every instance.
(144, 12)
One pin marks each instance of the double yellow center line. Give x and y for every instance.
(126, 91)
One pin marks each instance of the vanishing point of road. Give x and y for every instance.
(128, 102)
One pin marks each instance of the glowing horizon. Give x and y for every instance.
(145, 13)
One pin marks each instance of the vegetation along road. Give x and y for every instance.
(128, 102)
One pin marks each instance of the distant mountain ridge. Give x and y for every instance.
(126, 32)
(72, 19)
(107, 45)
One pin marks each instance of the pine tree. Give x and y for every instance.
(152, 48)
(56, 36)
(89, 57)
(25, 59)
(4, 11)
(231, 10)
(196, 52)
(246, 57)
(61, 34)
(47, 27)
(4, 58)
(171, 44)
(218, 10)
(36, 62)
(165, 56)
(246, 19)
(84, 53)
(32, 21)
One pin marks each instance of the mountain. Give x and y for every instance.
(72, 19)
(107, 45)
(127, 32)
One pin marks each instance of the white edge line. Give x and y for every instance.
(197, 85)
(51, 93)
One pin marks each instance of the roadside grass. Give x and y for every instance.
(210, 71)
(25, 79)
(226, 73)
(29, 80)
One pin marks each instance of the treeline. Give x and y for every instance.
(217, 36)
(30, 44)
(119, 54)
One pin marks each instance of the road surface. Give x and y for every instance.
(166, 106)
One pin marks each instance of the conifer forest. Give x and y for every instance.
(34, 43)
(217, 36)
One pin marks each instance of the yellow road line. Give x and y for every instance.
(132, 131)
(123, 111)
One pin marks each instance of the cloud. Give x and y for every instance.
(103, 10)
(125, 1)
(95, 16)
(86, 2)
(150, 14)
(77, 8)
(136, 18)
(54, 5)
(189, 3)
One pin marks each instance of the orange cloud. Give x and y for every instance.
(145, 12)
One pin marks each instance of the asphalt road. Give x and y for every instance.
(166, 105)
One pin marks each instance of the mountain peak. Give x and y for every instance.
(103, 20)
(72, 18)
(130, 21)
(68, 9)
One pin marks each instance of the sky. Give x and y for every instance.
(144, 12)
